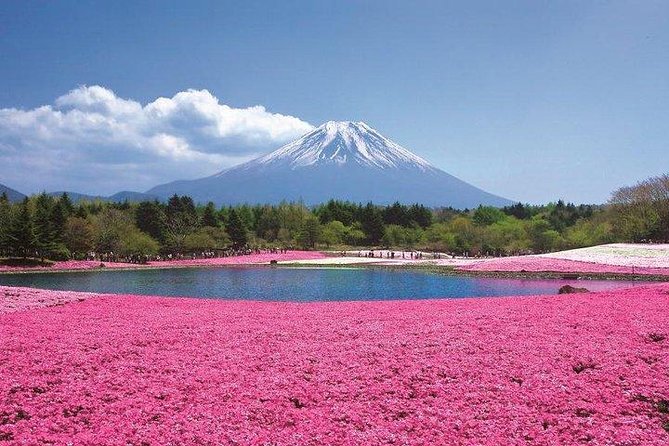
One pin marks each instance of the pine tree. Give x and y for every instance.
(209, 216)
(45, 233)
(66, 202)
(22, 233)
(5, 222)
(150, 218)
(372, 224)
(59, 216)
(236, 230)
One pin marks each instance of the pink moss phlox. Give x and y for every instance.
(546, 264)
(569, 369)
(234, 260)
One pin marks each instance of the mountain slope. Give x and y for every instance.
(119, 197)
(12, 194)
(341, 160)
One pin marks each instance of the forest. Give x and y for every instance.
(44, 226)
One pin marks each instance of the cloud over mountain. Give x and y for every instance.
(90, 139)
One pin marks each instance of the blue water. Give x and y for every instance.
(295, 284)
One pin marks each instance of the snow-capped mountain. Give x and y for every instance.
(340, 143)
(340, 160)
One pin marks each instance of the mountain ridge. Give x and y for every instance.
(338, 160)
(12, 194)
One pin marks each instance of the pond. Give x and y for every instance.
(295, 284)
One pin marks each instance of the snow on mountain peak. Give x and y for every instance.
(340, 143)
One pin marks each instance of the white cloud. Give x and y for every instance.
(92, 141)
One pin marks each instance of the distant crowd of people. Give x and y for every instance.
(417, 255)
(210, 254)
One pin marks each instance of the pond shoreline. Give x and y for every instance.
(437, 269)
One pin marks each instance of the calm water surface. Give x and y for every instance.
(295, 284)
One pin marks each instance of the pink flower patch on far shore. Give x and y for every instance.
(243, 260)
(234, 260)
(547, 264)
(568, 369)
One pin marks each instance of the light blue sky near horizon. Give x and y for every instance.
(531, 100)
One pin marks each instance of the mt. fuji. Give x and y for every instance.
(338, 160)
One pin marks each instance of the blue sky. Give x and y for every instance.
(531, 100)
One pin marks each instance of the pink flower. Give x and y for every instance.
(117, 369)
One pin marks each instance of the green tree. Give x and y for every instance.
(236, 230)
(466, 234)
(209, 217)
(66, 203)
(22, 233)
(439, 238)
(150, 219)
(78, 236)
(487, 215)
(421, 215)
(333, 233)
(641, 212)
(372, 224)
(310, 233)
(137, 243)
(45, 233)
(206, 238)
(181, 220)
(354, 235)
(110, 228)
(5, 223)
(542, 237)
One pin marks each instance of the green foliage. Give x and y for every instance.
(110, 226)
(150, 218)
(209, 217)
(487, 215)
(54, 228)
(641, 212)
(180, 220)
(310, 233)
(440, 238)
(518, 210)
(78, 236)
(465, 234)
(22, 238)
(206, 238)
(333, 233)
(137, 243)
(5, 223)
(372, 224)
(236, 229)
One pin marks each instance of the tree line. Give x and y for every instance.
(56, 228)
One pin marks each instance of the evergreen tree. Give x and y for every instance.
(209, 216)
(236, 229)
(5, 222)
(22, 233)
(81, 212)
(44, 228)
(59, 216)
(372, 224)
(67, 205)
(310, 233)
(181, 220)
(397, 214)
(150, 219)
(420, 215)
(518, 210)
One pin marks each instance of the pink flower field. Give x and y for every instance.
(130, 370)
(217, 261)
(546, 264)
